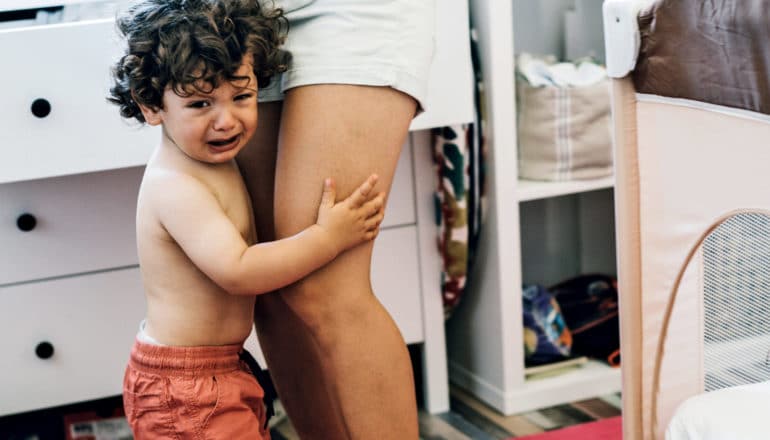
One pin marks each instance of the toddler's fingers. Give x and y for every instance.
(374, 221)
(375, 205)
(329, 193)
(360, 195)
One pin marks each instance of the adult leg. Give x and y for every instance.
(257, 165)
(282, 335)
(345, 132)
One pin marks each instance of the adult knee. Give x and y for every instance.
(327, 306)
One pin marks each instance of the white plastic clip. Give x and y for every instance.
(621, 35)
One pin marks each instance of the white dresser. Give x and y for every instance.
(70, 290)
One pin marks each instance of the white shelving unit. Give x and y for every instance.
(533, 190)
(535, 232)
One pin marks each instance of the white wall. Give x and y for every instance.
(566, 28)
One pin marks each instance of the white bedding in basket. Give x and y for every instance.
(738, 413)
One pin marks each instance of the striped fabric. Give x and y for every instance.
(564, 132)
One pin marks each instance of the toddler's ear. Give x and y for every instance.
(151, 116)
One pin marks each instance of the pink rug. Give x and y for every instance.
(605, 429)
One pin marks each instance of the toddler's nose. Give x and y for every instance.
(224, 121)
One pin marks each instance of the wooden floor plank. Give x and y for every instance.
(614, 400)
(433, 427)
(597, 408)
(471, 428)
(539, 419)
(565, 415)
(482, 422)
(515, 425)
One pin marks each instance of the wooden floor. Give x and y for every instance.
(467, 419)
(471, 419)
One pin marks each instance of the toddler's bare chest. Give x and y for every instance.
(236, 204)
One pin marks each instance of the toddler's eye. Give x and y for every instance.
(198, 104)
(243, 96)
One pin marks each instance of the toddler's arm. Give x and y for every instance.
(195, 220)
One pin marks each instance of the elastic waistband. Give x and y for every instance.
(184, 361)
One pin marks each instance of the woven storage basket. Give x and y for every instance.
(564, 132)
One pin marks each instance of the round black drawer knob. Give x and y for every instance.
(41, 108)
(26, 222)
(44, 350)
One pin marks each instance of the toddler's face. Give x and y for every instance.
(211, 127)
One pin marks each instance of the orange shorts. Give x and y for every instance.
(192, 393)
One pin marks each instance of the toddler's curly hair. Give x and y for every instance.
(192, 45)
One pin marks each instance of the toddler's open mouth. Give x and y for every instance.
(224, 143)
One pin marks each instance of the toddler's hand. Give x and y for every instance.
(353, 220)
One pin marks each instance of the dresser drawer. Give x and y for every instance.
(56, 119)
(78, 223)
(396, 279)
(89, 321)
(400, 210)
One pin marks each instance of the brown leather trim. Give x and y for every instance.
(706, 50)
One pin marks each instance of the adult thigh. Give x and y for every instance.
(257, 165)
(345, 132)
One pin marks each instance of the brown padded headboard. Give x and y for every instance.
(715, 51)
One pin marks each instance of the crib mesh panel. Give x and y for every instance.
(736, 276)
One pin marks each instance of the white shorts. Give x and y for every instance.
(361, 42)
